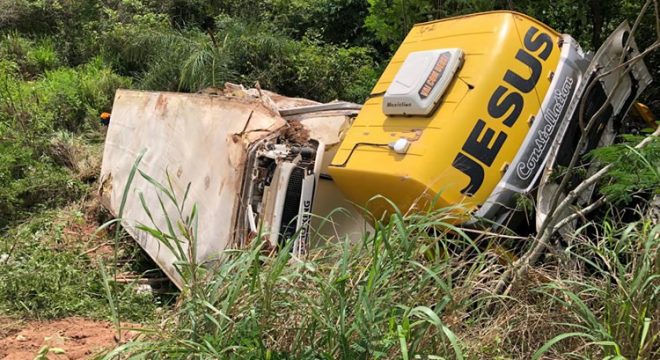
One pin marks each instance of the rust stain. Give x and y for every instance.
(106, 186)
(161, 104)
(296, 132)
(105, 193)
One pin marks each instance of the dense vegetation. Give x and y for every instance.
(400, 292)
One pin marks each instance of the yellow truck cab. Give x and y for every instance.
(467, 113)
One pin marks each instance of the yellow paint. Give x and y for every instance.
(490, 42)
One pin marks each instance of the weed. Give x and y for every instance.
(616, 307)
(47, 273)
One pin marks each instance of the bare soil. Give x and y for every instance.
(78, 338)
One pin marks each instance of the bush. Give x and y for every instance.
(33, 58)
(329, 72)
(245, 53)
(31, 112)
(307, 67)
(634, 171)
(31, 183)
(26, 16)
(65, 98)
(76, 97)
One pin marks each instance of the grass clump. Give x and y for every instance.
(614, 301)
(31, 184)
(46, 271)
(33, 58)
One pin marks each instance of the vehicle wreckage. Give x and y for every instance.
(472, 111)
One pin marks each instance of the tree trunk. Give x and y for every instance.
(597, 20)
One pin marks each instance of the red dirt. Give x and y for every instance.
(79, 338)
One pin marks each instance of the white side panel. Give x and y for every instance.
(334, 217)
(197, 139)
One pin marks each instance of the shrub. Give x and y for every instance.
(32, 58)
(76, 96)
(634, 172)
(25, 16)
(307, 68)
(30, 112)
(246, 53)
(31, 183)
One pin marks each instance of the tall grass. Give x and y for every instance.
(415, 287)
(614, 302)
(388, 295)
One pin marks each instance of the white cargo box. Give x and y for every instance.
(221, 145)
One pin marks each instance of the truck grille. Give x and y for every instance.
(291, 205)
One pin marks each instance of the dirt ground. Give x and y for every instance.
(72, 338)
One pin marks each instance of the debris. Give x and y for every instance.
(64, 151)
(144, 289)
(296, 133)
(211, 91)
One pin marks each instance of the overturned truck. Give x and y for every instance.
(471, 111)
